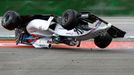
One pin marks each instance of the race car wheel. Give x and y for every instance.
(103, 41)
(10, 20)
(70, 19)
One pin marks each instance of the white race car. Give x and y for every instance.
(71, 28)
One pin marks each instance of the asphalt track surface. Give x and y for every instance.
(69, 61)
(31, 61)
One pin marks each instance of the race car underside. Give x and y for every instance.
(71, 28)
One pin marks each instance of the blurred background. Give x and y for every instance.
(98, 7)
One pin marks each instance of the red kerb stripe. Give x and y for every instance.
(85, 44)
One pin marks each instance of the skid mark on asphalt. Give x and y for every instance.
(85, 44)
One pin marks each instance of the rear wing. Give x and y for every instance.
(116, 32)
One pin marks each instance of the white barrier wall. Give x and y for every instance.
(125, 23)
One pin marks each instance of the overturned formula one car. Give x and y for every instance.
(71, 28)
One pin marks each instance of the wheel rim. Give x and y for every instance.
(65, 18)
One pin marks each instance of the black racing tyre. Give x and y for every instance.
(103, 41)
(69, 19)
(10, 20)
